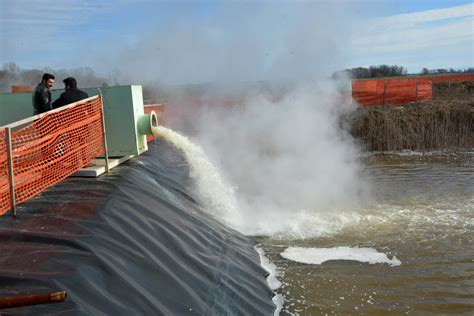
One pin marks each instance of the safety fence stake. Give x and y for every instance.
(416, 91)
(105, 135)
(8, 134)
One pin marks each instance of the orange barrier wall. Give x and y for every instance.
(50, 148)
(400, 90)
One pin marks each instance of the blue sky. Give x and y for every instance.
(180, 41)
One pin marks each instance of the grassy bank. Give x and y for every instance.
(446, 123)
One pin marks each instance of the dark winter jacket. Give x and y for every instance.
(41, 99)
(71, 95)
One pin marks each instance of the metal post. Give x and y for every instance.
(8, 134)
(105, 135)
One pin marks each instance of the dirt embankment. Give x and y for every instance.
(446, 122)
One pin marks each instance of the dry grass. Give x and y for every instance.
(447, 122)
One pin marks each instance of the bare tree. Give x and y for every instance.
(12, 74)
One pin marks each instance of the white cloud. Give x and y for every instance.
(415, 38)
(447, 31)
(270, 41)
(408, 20)
(43, 14)
(36, 28)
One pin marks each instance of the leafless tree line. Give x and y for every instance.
(12, 74)
(391, 71)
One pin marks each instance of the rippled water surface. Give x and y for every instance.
(421, 214)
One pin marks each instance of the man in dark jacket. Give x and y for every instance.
(71, 95)
(42, 94)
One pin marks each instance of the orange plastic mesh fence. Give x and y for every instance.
(50, 149)
(391, 92)
(370, 92)
(453, 78)
(4, 181)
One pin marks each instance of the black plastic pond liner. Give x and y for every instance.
(134, 242)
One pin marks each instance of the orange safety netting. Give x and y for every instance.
(391, 91)
(452, 78)
(50, 148)
(4, 180)
(369, 92)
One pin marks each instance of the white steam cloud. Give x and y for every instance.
(294, 169)
(238, 41)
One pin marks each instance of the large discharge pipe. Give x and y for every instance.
(147, 124)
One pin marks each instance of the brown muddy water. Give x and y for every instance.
(419, 227)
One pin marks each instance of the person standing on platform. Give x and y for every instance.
(72, 93)
(42, 94)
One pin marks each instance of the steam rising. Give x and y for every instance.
(238, 41)
(295, 170)
(292, 168)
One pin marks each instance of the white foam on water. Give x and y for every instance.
(270, 267)
(320, 255)
(302, 224)
(219, 197)
(272, 280)
(294, 168)
(221, 200)
(265, 218)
